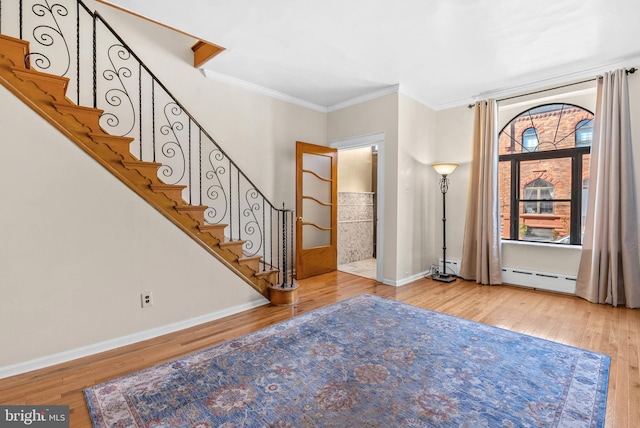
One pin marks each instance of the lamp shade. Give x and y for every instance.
(444, 168)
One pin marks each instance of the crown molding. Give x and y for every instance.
(391, 89)
(261, 90)
(557, 80)
(408, 92)
(288, 98)
(508, 91)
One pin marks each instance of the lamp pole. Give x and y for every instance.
(444, 169)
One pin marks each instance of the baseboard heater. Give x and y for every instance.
(526, 278)
(544, 281)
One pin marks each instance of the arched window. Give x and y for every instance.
(551, 141)
(584, 133)
(530, 140)
(539, 192)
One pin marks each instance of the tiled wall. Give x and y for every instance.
(355, 226)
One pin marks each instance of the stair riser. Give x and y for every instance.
(253, 264)
(173, 193)
(235, 247)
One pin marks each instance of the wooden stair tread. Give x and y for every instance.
(139, 163)
(213, 226)
(232, 243)
(247, 258)
(234, 246)
(172, 191)
(56, 86)
(192, 208)
(168, 186)
(120, 145)
(215, 230)
(88, 116)
(263, 273)
(15, 50)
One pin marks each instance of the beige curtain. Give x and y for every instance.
(481, 246)
(609, 266)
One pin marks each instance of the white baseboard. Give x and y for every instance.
(108, 345)
(405, 281)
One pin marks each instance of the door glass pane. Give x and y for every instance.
(313, 237)
(316, 213)
(316, 186)
(319, 164)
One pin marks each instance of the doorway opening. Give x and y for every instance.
(359, 205)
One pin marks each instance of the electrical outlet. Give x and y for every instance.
(146, 299)
(432, 271)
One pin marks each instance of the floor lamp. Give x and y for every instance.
(444, 169)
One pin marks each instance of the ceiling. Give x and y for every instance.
(443, 53)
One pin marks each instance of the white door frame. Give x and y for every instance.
(369, 140)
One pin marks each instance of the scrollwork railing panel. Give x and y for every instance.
(215, 188)
(113, 95)
(47, 36)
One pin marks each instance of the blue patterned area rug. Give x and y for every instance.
(365, 362)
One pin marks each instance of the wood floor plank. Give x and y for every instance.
(562, 318)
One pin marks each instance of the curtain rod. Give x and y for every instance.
(628, 71)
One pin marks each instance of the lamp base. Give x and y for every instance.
(444, 277)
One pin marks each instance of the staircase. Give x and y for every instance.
(266, 272)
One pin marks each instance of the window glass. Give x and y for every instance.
(547, 147)
(584, 133)
(530, 140)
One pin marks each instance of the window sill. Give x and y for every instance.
(540, 244)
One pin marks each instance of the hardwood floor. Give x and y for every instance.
(565, 319)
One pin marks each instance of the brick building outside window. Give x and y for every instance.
(544, 173)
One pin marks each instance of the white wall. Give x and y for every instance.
(378, 115)
(77, 248)
(454, 131)
(355, 170)
(417, 183)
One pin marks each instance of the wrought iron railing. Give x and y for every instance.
(69, 40)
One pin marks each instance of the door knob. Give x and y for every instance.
(299, 218)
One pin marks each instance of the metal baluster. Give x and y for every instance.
(20, 19)
(189, 168)
(153, 118)
(140, 109)
(95, 65)
(78, 52)
(284, 244)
